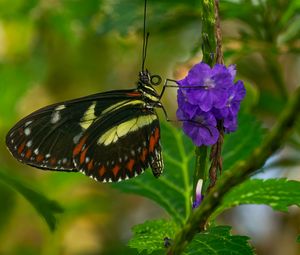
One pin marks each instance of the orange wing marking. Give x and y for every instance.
(82, 156)
(153, 140)
(144, 154)
(102, 171)
(115, 170)
(39, 158)
(79, 146)
(133, 94)
(52, 161)
(28, 153)
(90, 165)
(21, 148)
(130, 165)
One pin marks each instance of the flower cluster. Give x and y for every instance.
(207, 96)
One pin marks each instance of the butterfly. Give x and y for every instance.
(109, 136)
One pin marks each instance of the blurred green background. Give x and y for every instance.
(54, 50)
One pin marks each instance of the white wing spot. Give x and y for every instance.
(87, 159)
(48, 155)
(29, 143)
(120, 159)
(36, 151)
(64, 161)
(28, 123)
(27, 131)
(77, 137)
(60, 107)
(132, 152)
(55, 117)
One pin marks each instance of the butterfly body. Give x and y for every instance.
(109, 136)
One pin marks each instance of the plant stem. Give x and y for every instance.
(200, 168)
(208, 32)
(208, 51)
(237, 175)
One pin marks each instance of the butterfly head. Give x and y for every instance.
(145, 78)
(146, 83)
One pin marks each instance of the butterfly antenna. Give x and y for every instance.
(145, 38)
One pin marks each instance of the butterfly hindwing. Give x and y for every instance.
(121, 145)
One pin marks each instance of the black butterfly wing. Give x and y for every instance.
(46, 138)
(121, 145)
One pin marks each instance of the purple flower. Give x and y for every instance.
(201, 128)
(235, 95)
(208, 95)
(211, 85)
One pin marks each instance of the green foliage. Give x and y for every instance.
(219, 241)
(164, 15)
(150, 235)
(172, 190)
(8, 202)
(240, 144)
(277, 193)
(45, 207)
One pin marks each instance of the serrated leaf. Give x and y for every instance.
(45, 207)
(240, 144)
(173, 189)
(150, 236)
(276, 193)
(219, 241)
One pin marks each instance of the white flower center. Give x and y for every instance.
(229, 101)
(209, 83)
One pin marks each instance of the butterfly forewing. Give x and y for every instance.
(109, 136)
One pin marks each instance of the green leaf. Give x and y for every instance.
(45, 207)
(240, 144)
(298, 239)
(277, 193)
(8, 202)
(173, 189)
(219, 241)
(149, 236)
(162, 15)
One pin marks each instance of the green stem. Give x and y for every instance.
(200, 168)
(237, 175)
(208, 32)
(208, 51)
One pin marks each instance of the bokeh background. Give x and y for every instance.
(54, 50)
